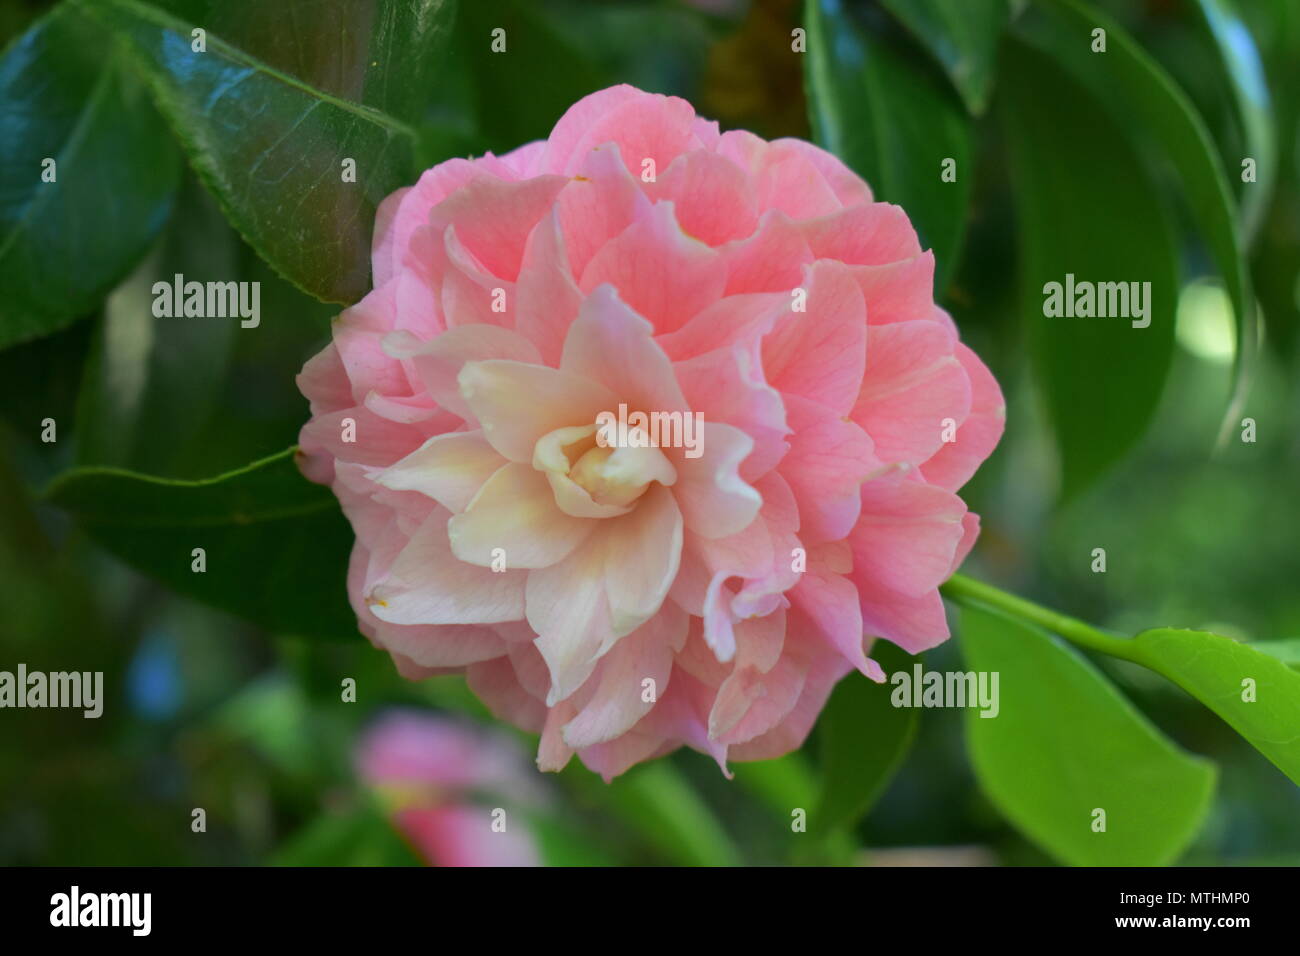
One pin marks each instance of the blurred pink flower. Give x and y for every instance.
(442, 779)
(624, 602)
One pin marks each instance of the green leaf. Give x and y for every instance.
(152, 383)
(664, 810)
(1243, 72)
(1151, 108)
(65, 244)
(893, 123)
(356, 836)
(276, 545)
(272, 148)
(386, 54)
(1065, 743)
(1219, 672)
(864, 739)
(1287, 651)
(963, 36)
(538, 58)
(1086, 208)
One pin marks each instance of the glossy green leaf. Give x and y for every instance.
(1065, 744)
(963, 36)
(864, 739)
(1257, 694)
(1151, 109)
(386, 54)
(65, 244)
(272, 148)
(1086, 208)
(894, 123)
(276, 545)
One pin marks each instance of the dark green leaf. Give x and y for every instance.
(864, 739)
(1087, 209)
(153, 383)
(963, 36)
(64, 244)
(1151, 109)
(664, 810)
(386, 54)
(276, 545)
(1257, 694)
(538, 58)
(1065, 744)
(894, 123)
(357, 836)
(272, 148)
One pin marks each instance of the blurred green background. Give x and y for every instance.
(207, 710)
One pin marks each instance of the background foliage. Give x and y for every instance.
(223, 687)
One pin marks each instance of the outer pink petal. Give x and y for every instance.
(955, 462)
(914, 389)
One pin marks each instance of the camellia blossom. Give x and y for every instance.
(441, 778)
(624, 601)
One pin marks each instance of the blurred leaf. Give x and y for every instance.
(359, 836)
(1151, 109)
(783, 783)
(1244, 76)
(963, 36)
(1065, 743)
(1086, 208)
(1215, 670)
(894, 123)
(272, 149)
(276, 545)
(64, 244)
(864, 739)
(152, 383)
(664, 810)
(538, 58)
(1288, 651)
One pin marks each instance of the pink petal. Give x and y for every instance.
(821, 352)
(913, 390)
(661, 272)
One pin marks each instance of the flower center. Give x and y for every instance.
(609, 478)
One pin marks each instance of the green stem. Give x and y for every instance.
(964, 590)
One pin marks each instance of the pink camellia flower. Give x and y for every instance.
(624, 601)
(440, 778)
